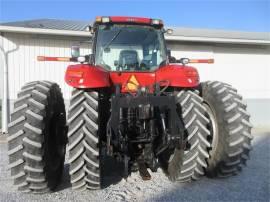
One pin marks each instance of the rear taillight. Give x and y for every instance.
(76, 74)
(191, 72)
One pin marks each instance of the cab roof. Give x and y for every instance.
(128, 20)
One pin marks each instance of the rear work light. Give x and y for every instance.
(156, 22)
(103, 19)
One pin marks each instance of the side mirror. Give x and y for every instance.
(75, 51)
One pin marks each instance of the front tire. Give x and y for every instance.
(37, 137)
(230, 129)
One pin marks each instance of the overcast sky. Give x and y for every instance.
(244, 15)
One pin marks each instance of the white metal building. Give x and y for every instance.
(241, 58)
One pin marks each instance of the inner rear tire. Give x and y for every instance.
(186, 165)
(230, 129)
(37, 137)
(84, 140)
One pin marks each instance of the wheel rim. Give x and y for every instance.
(213, 127)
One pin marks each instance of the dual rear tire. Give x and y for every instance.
(190, 163)
(230, 129)
(84, 142)
(37, 137)
(216, 130)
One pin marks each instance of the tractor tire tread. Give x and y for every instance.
(26, 137)
(234, 131)
(83, 140)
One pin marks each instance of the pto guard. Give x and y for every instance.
(87, 76)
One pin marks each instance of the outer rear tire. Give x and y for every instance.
(230, 129)
(187, 165)
(83, 140)
(37, 137)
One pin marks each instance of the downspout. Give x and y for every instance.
(5, 89)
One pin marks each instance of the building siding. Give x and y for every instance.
(22, 51)
(245, 67)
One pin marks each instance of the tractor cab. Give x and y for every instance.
(130, 101)
(129, 44)
(128, 51)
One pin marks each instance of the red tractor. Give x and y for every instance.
(133, 101)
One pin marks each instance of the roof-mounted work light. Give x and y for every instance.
(157, 22)
(103, 19)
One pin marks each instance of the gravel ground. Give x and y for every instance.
(251, 185)
(0, 116)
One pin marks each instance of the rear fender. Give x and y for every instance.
(87, 76)
(178, 76)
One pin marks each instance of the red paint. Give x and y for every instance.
(178, 75)
(87, 76)
(129, 20)
(144, 78)
(124, 19)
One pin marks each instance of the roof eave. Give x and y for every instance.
(43, 31)
(217, 40)
(167, 37)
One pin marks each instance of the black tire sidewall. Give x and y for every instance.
(57, 118)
